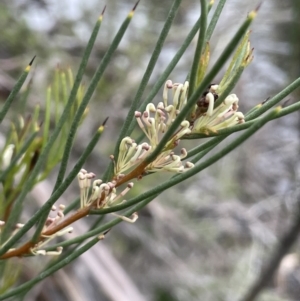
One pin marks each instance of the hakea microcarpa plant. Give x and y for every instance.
(154, 122)
(104, 195)
(198, 108)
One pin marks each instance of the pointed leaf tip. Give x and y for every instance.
(101, 128)
(253, 13)
(286, 103)
(104, 122)
(258, 6)
(135, 6)
(104, 233)
(266, 100)
(103, 11)
(31, 62)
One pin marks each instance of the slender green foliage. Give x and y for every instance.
(199, 47)
(215, 19)
(29, 284)
(164, 76)
(72, 98)
(17, 87)
(274, 100)
(160, 42)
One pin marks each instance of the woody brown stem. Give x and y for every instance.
(138, 171)
(66, 222)
(25, 248)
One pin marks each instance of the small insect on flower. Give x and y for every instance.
(205, 105)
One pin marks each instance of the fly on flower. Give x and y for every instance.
(205, 104)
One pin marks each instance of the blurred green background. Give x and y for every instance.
(207, 238)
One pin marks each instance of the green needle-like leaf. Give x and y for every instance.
(95, 80)
(199, 48)
(46, 124)
(214, 20)
(89, 92)
(71, 250)
(162, 79)
(17, 87)
(26, 286)
(201, 154)
(230, 85)
(205, 146)
(130, 116)
(68, 181)
(274, 100)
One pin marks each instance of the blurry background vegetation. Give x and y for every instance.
(207, 238)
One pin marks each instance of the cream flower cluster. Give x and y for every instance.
(164, 114)
(103, 194)
(223, 116)
(51, 221)
(154, 122)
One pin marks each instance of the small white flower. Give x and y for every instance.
(7, 155)
(84, 182)
(155, 121)
(168, 161)
(103, 194)
(130, 154)
(225, 115)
